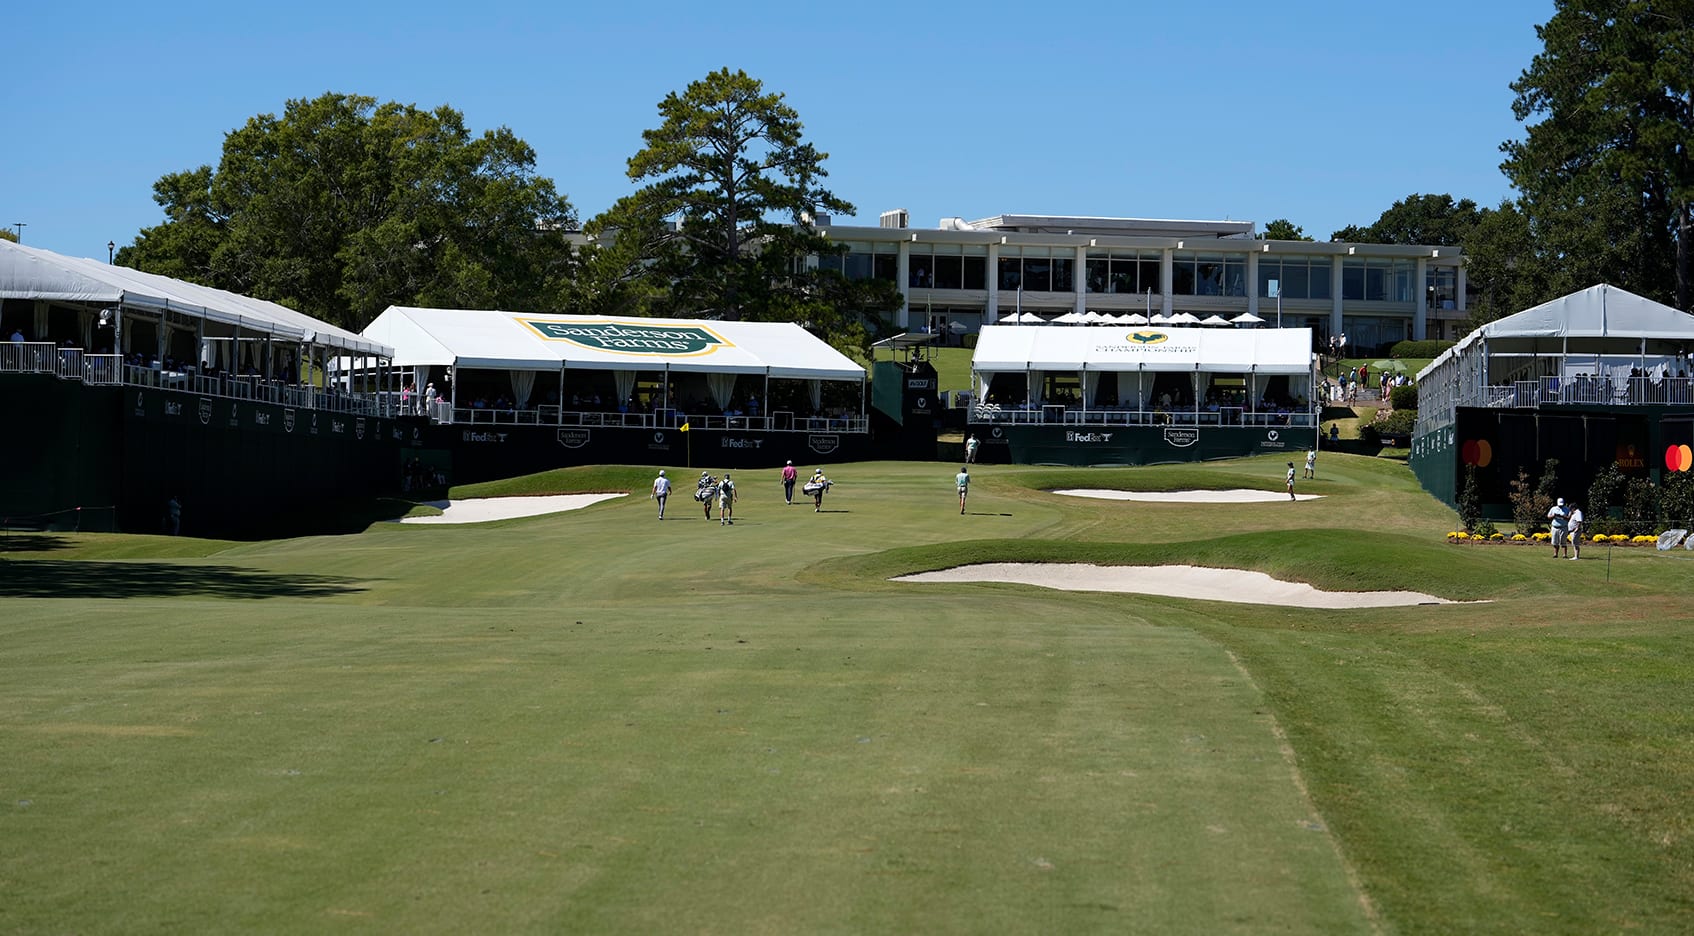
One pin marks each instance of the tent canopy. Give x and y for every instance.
(496, 340)
(1596, 312)
(1265, 351)
(32, 273)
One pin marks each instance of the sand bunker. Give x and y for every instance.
(1172, 581)
(1234, 496)
(484, 509)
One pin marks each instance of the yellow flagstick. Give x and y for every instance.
(685, 435)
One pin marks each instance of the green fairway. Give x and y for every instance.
(598, 722)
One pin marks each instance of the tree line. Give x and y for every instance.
(342, 206)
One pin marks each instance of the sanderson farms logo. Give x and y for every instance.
(1148, 337)
(632, 337)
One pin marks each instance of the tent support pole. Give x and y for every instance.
(560, 417)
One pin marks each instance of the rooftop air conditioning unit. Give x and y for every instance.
(898, 218)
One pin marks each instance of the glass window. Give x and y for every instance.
(1270, 270)
(1234, 276)
(948, 272)
(1097, 274)
(832, 261)
(976, 271)
(1401, 289)
(857, 265)
(1037, 274)
(1376, 281)
(1011, 272)
(886, 267)
(1296, 281)
(1320, 280)
(1208, 275)
(1064, 274)
(1353, 280)
(1182, 278)
(1147, 280)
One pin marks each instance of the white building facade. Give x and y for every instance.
(966, 274)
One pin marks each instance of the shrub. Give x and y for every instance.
(1676, 500)
(1485, 528)
(1404, 398)
(1640, 504)
(1470, 501)
(1605, 494)
(1530, 504)
(1419, 349)
(1395, 423)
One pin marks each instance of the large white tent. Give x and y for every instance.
(1002, 349)
(35, 274)
(497, 340)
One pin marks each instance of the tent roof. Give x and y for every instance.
(1601, 311)
(1264, 350)
(32, 273)
(521, 341)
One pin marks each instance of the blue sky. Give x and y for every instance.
(1323, 113)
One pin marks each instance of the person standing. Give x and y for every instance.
(173, 516)
(1312, 463)
(1573, 534)
(706, 491)
(963, 480)
(971, 445)
(817, 486)
(661, 491)
(1291, 481)
(1556, 519)
(726, 501)
(788, 477)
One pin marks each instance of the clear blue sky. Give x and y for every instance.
(1324, 113)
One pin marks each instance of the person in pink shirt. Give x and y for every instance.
(788, 476)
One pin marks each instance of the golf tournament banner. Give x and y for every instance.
(1140, 445)
(634, 337)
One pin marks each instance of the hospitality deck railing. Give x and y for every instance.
(1075, 416)
(547, 415)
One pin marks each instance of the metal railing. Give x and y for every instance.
(1066, 416)
(663, 419)
(1591, 391)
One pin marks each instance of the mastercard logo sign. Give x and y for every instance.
(1679, 458)
(1476, 452)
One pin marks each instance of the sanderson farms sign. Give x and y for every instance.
(632, 337)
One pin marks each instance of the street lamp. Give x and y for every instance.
(20, 225)
(111, 247)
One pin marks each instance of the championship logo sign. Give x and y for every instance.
(573, 438)
(205, 412)
(1182, 438)
(823, 444)
(1148, 337)
(288, 420)
(359, 428)
(632, 337)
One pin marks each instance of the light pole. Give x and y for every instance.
(111, 247)
(20, 225)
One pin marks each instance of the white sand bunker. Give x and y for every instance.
(484, 509)
(1233, 496)
(1172, 581)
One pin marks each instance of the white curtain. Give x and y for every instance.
(814, 389)
(625, 380)
(722, 387)
(1090, 383)
(523, 384)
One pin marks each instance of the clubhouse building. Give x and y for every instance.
(966, 274)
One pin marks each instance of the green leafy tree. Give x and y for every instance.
(342, 206)
(723, 222)
(1284, 230)
(7, 234)
(1503, 264)
(1434, 220)
(1604, 493)
(1605, 167)
(1470, 501)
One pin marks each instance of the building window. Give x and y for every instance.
(1442, 284)
(976, 267)
(1353, 280)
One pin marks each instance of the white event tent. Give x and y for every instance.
(1246, 358)
(524, 346)
(214, 316)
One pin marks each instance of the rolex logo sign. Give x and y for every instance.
(632, 337)
(1148, 337)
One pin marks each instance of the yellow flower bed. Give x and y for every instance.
(1542, 537)
(1519, 538)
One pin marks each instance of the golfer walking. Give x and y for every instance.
(970, 449)
(661, 491)
(726, 501)
(1291, 481)
(1312, 463)
(788, 477)
(963, 480)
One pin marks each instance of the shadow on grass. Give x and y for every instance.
(76, 579)
(31, 542)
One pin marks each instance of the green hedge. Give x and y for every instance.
(1404, 398)
(1419, 349)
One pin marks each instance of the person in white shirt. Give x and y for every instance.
(1556, 519)
(963, 480)
(726, 501)
(1573, 533)
(1312, 463)
(1291, 481)
(661, 491)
